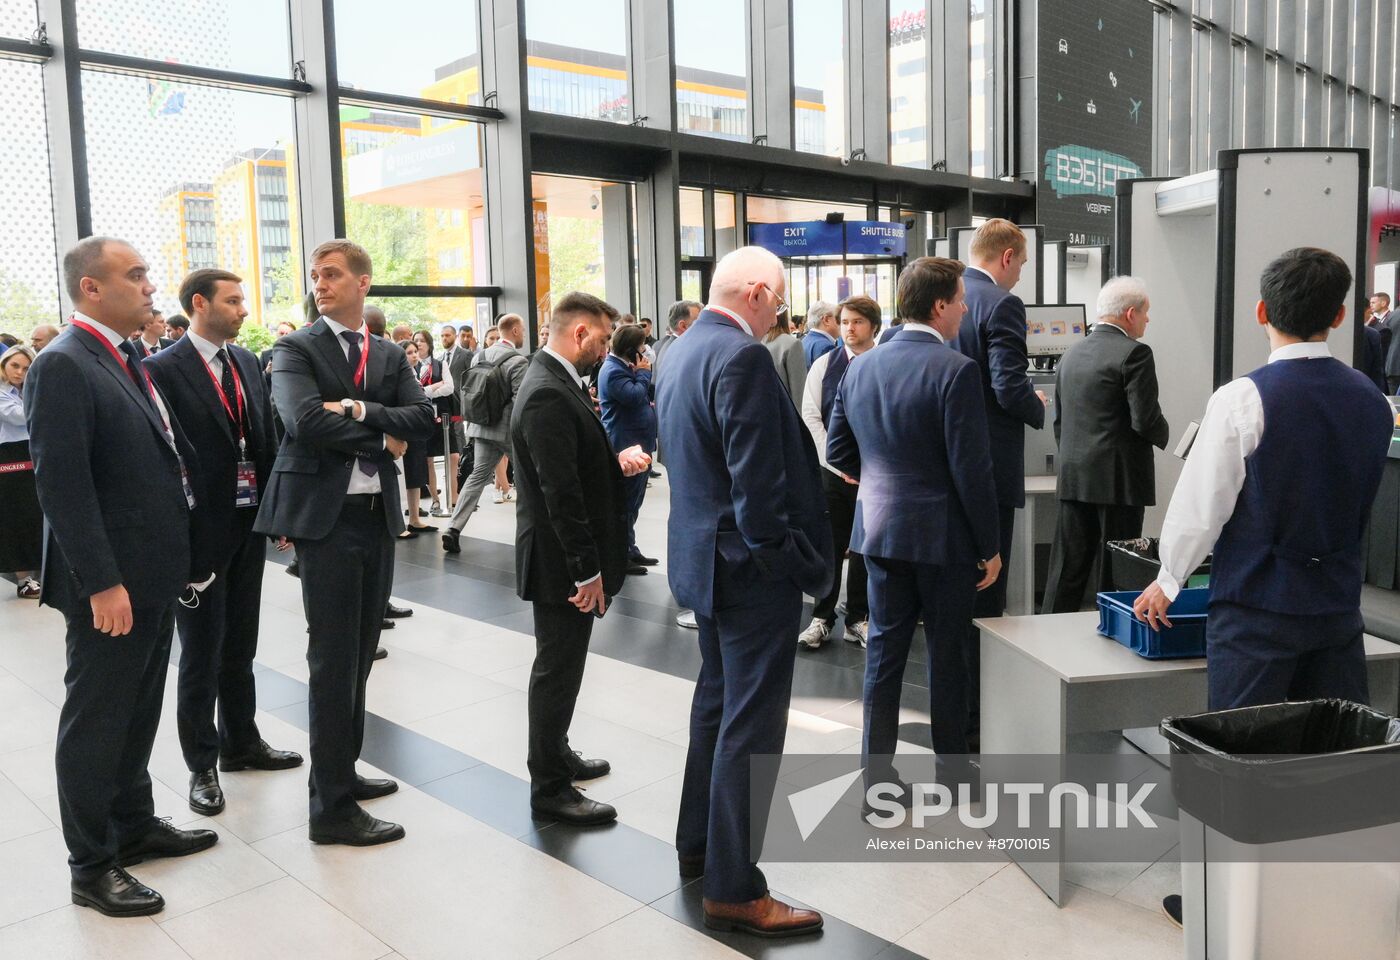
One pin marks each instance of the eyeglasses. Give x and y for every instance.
(782, 304)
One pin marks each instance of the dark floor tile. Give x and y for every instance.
(626, 859)
(410, 756)
(494, 797)
(295, 714)
(837, 940)
(463, 596)
(277, 690)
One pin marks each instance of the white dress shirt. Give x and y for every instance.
(210, 352)
(1210, 483)
(923, 328)
(12, 422)
(743, 324)
(115, 340)
(578, 381)
(443, 388)
(812, 402)
(360, 482)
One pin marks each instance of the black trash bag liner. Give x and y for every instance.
(1287, 771)
(1133, 564)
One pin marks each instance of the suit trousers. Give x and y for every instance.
(562, 632)
(635, 490)
(218, 641)
(841, 505)
(486, 455)
(899, 593)
(990, 602)
(1255, 657)
(739, 710)
(1079, 566)
(345, 582)
(106, 728)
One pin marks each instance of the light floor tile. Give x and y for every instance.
(653, 808)
(228, 868)
(19, 816)
(452, 881)
(76, 933)
(277, 921)
(646, 934)
(31, 769)
(27, 718)
(41, 860)
(1008, 916)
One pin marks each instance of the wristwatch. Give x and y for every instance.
(347, 407)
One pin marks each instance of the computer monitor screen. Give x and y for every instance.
(1051, 329)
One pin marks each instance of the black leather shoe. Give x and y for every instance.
(387, 624)
(451, 541)
(361, 830)
(393, 612)
(117, 893)
(164, 840)
(573, 807)
(381, 653)
(581, 769)
(643, 560)
(294, 569)
(370, 789)
(206, 796)
(1171, 908)
(261, 757)
(635, 569)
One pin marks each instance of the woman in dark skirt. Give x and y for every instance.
(437, 384)
(21, 534)
(415, 464)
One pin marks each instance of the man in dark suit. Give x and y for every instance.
(1107, 420)
(112, 469)
(570, 543)
(456, 357)
(151, 337)
(909, 425)
(994, 336)
(748, 535)
(349, 405)
(215, 390)
(1371, 360)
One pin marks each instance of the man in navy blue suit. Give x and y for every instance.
(994, 336)
(748, 536)
(909, 426)
(216, 390)
(112, 468)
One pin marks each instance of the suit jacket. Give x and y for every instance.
(571, 513)
(993, 334)
(1392, 354)
(791, 364)
(625, 397)
(660, 349)
(217, 528)
(814, 344)
(457, 366)
(1371, 360)
(162, 344)
(312, 470)
(909, 423)
(108, 480)
(746, 495)
(1107, 420)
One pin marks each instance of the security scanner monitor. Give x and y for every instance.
(1030, 288)
(1200, 244)
(1051, 329)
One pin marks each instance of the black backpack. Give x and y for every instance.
(486, 390)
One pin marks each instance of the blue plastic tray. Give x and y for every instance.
(1185, 638)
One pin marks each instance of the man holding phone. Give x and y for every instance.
(570, 543)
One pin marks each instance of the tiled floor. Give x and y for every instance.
(476, 877)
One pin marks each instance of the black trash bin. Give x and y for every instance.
(1133, 564)
(1290, 828)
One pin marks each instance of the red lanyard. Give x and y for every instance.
(426, 377)
(364, 359)
(122, 362)
(223, 397)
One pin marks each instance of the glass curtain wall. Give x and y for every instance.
(712, 55)
(577, 58)
(819, 76)
(909, 83)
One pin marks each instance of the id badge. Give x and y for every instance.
(245, 491)
(185, 482)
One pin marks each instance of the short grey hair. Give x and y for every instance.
(1120, 295)
(818, 312)
(84, 260)
(680, 312)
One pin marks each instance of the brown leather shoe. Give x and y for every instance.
(764, 917)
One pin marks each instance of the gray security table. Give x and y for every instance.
(1046, 679)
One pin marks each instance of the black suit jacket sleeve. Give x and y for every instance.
(1058, 406)
(547, 421)
(970, 458)
(1007, 362)
(1140, 387)
(299, 402)
(411, 415)
(60, 416)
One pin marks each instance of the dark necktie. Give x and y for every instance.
(352, 337)
(133, 368)
(229, 388)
